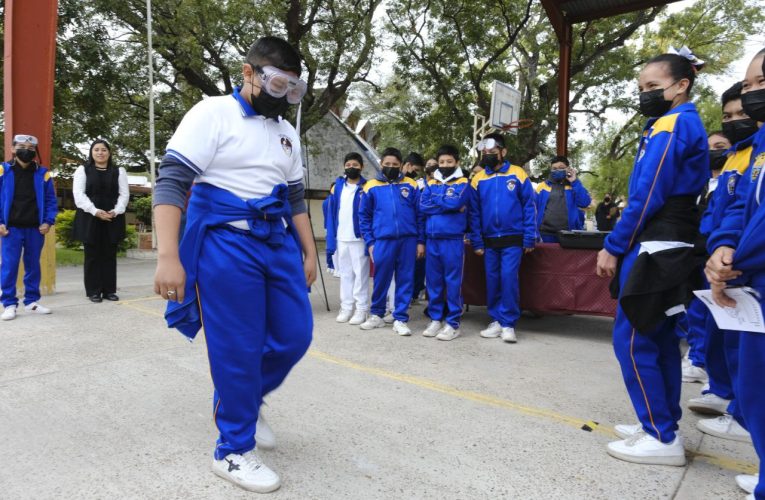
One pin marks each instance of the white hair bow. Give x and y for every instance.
(686, 53)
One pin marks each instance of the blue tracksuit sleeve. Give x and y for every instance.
(732, 224)
(3, 168)
(366, 211)
(420, 217)
(474, 217)
(51, 206)
(581, 196)
(528, 197)
(330, 223)
(456, 203)
(428, 202)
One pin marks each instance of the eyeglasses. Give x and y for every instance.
(487, 144)
(19, 138)
(278, 84)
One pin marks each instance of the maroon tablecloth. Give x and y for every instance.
(553, 280)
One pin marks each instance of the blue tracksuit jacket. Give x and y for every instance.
(576, 197)
(333, 210)
(389, 210)
(445, 208)
(47, 207)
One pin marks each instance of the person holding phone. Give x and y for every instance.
(559, 200)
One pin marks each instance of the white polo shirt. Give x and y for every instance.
(230, 146)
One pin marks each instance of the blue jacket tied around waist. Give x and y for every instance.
(269, 219)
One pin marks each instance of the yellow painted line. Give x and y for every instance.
(486, 399)
(141, 299)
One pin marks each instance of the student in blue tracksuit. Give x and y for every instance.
(502, 228)
(560, 201)
(344, 241)
(657, 230)
(238, 268)
(444, 203)
(738, 258)
(393, 230)
(27, 211)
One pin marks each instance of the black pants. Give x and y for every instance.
(101, 266)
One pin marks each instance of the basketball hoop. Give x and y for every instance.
(517, 124)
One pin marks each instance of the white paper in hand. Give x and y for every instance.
(746, 316)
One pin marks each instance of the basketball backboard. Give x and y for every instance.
(505, 106)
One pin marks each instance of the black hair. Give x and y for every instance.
(499, 138)
(562, 159)
(91, 162)
(274, 51)
(732, 94)
(678, 67)
(758, 54)
(391, 152)
(353, 156)
(717, 132)
(415, 159)
(448, 150)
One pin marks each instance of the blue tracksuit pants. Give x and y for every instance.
(502, 291)
(693, 326)
(651, 367)
(445, 261)
(722, 365)
(394, 256)
(29, 242)
(258, 324)
(419, 278)
(750, 392)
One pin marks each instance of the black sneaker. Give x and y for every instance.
(95, 298)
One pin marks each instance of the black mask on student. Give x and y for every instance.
(412, 174)
(269, 106)
(738, 130)
(391, 173)
(447, 172)
(754, 104)
(489, 161)
(653, 104)
(717, 159)
(26, 155)
(607, 199)
(352, 173)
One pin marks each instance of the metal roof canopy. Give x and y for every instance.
(563, 14)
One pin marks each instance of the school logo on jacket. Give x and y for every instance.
(286, 145)
(450, 192)
(759, 162)
(511, 185)
(731, 185)
(405, 192)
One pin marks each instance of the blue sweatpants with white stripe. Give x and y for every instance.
(651, 367)
(29, 242)
(503, 296)
(443, 272)
(694, 328)
(258, 324)
(750, 392)
(394, 256)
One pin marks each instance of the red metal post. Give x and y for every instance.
(564, 84)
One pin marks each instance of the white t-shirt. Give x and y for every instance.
(231, 147)
(345, 214)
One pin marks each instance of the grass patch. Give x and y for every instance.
(69, 257)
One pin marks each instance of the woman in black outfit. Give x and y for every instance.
(101, 194)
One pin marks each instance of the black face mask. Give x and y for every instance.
(352, 173)
(269, 106)
(447, 172)
(26, 155)
(653, 104)
(489, 161)
(607, 199)
(717, 159)
(754, 104)
(738, 130)
(391, 173)
(431, 169)
(412, 175)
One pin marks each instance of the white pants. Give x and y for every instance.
(354, 275)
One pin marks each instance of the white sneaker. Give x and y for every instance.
(344, 316)
(710, 404)
(9, 313)
(388, 318)
(36, 308)
(372, 322)
(643, 448)
(401, 328)
(695, 374)
(448, 332)
(247, 471)
(264, 435)
(626, 431)
(747, 482)
(508, 335)
(358, 318)
(750, 496)
(492, 331)
(724, 427)
(433, 328)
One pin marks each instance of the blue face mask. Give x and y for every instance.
(558, 175)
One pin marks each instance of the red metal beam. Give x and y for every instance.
(564, 84)
(603, 12)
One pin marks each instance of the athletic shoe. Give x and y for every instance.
(747, 482)
(401, 328)
(433, 328)
(264, 436)
(358, 318)
(247, 471)
(388, 318)
(9, 313)
(750, 496)
(372, 322)
(508, 335)
(448, 333)
(344, 316)
(626, 431)
(695, 374)
(724, 427)
(709, 404)
(492, 331)
(643, 448)
(36, 308)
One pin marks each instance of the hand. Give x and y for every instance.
(112, 213)
(606, 266)
(170, 279)
(371, 252)
(528, 250)
(104, 216)
(44, 228)
(479, 251)
(3, 230)
(420, 250)
(309, 268)
(719, 268)
(570, 174)
(719, 296)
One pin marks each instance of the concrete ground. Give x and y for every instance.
(103, 401)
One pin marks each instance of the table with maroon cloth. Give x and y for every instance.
(553, 280)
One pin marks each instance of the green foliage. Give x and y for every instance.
(64, 223)
(142, 207)
(130, 240)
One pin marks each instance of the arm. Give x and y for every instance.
(528, 199)
(124, 196)
(474, 217)
(51, 205)
(420, 220)
(366, 211)
(429, 202)
(305, 231)
(582, 198)
(731, 226)
(456, 203)
(81, 200)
